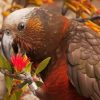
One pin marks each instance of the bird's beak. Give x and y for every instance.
(6, 43)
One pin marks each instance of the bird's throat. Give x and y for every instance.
(57, 86)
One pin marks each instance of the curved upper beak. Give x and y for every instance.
(6, 43)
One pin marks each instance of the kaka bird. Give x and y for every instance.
(43, 32)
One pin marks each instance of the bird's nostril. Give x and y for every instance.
(7, 32)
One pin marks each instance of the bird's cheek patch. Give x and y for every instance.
(34, 25)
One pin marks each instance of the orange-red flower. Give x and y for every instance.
(19, 62)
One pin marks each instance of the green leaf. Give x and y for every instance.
(39, 84)
(42, 65)
(5, 96)
(28, 68)
(18, 94)
(9, 83)
(24, 88)
(13, 97)
(4, 63)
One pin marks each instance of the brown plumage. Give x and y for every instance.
(74, 48)
(41, 44)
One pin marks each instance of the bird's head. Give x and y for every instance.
(35, 31)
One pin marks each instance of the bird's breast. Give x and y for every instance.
(57, 85)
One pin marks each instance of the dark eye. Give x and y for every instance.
(21, 26)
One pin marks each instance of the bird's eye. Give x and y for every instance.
(21, 26)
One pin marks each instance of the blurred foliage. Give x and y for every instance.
(83, 9)
(4, 64)
(18, 4)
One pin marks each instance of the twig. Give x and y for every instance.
(27, 79)
(15, 76)
(21, 85)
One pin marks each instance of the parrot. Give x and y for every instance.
(73, 72)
